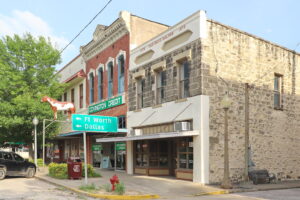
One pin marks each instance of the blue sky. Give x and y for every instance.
(61, 20)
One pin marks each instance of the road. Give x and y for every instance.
(19, 188)
(288, 194)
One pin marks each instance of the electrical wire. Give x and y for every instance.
(86, 26)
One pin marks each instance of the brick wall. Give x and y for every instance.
(102, 58)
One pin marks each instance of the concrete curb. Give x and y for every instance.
(102, 196)
(210, 193)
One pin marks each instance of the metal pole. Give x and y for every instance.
(85, 159)
(226, 181)
(35, 146)
(246, 131)
(44, 121)
(115, 157)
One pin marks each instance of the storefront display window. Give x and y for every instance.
(185, 153)
(141, 153)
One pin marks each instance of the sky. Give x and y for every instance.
(61, 20)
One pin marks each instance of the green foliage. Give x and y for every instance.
(88, 188)
(61, 171)
(107, 187)
(27, 73)
(120, 188)
(57, 170)
(90, 171)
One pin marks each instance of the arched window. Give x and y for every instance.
(110, 73)
(100, 83)
(121, 72)
(91, 85)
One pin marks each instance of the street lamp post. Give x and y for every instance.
(226, 184)
(35, 122)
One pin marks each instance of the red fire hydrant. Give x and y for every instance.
(114, 180)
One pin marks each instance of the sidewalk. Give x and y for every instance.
(149, 187)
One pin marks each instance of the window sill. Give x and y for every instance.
(280, 109)
(180, 100)
(157, 106)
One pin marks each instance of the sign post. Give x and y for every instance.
(92, 123)
(85, 159)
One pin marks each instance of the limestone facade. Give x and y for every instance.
(224, 61)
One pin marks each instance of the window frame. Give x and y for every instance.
(91, 87)
(278, 91)
(81, 95)
(100, 83)
(73, 95)
(187, 153)
(140, 92)
(161, 86)
(121, 76)
(110, 79)
(123, 122)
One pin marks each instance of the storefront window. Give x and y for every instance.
(141, 154)
(185, 153)
(158, 154)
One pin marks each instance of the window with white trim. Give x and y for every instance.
(122, 121)
(100, 83)
(91, 85)
(161, 78)
(110, 74)
(140, 93)
(121, 72)
(184, 79)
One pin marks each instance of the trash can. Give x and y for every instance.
(74, 169)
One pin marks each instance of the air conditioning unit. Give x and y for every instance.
(182, 126)
(138, 132)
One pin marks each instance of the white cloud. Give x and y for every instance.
(26, 22)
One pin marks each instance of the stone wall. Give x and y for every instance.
(171, 85)
(240, 58)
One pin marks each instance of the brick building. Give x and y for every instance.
(107, 62)
(176, 121)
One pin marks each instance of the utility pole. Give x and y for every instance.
(246, 131)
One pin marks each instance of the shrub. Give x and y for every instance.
(90, 171)
(120, 188)
(107, 187)
(88, 188)
(59, 171)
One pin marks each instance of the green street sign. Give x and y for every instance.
(96, 147)
(106, 104)
(94, 123)
(120, 146)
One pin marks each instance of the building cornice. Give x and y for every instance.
(105, 38)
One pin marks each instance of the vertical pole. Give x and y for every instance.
(246, 131)
(35, 146)
(85, 159)
(226, 182)
(115, 156)
(44, 142)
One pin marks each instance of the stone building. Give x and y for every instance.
(175, 118)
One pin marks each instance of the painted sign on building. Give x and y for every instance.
(120, 146)
(106, 104)
(94, 123)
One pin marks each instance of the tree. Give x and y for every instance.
(27, 73)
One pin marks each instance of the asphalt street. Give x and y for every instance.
(19, 188)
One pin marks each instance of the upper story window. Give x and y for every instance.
(73, 95)
(121, 70)
(100, 83)
(184, 81)
(122, 121)
(161, 78)
(140, 93)
(278, 89)
(81, 96)
(110, 74)
(65, 97)
(91, 84)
